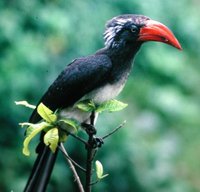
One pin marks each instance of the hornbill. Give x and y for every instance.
(98, 77)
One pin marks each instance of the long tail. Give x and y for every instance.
(42, 169)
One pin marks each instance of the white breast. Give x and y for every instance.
(105, 93)
(99, 95)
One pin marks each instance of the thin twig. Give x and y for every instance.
(95, 182)
(75, 136)
(79, 138)
(116, 129)
(77, 179)
(68, 157)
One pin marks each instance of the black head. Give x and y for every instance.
(123, 29)
(133, 29)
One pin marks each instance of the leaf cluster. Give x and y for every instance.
(50, 125)
(110, 106)
(57, 130)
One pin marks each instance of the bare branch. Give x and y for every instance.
(75, 136)
(116, 129)
(77, 179)
(90, 154)
(68, 157)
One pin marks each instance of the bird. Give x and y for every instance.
(99, 77)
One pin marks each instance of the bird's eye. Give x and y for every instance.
(134, 29)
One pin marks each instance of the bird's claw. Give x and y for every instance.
(94, 142)
(97, 142)
(90, 129)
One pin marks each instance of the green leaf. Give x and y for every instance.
(62, 136)
(86, 105)
(25, 124)
(46, 113)
(25, 103)
(99, 170)
(111, 106)
(31, 132)
(69, 125)
(51, 139)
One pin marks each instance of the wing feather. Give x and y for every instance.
(76, 80)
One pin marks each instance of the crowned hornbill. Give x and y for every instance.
(99, 77)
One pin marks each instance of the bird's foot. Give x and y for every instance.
(96, 142)
(90, 129)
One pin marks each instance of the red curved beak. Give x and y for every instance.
(156, 31)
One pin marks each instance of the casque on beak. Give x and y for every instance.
(156, 31)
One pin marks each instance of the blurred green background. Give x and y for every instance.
(158, 150)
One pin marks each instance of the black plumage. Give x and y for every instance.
(79, 78)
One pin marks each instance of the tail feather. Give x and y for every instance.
(44, 163)
(41, 171)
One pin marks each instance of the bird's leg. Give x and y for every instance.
(97, 142)
(89, 128)
(93, 141)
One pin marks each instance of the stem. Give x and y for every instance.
(89, 169)
(90, 156)
(77, 179)
(91, 152)
(75, 136)
(116, 129)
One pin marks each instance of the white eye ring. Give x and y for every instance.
(133, 30)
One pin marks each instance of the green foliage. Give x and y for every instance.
(46, 113)
(31, 132)
(25, 103)
(50, 125)
(51, 139)
(73, 124)
(99, 170)
(86, 105)
(110, 106)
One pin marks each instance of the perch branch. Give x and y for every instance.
(91, 151)
(68, 157)
(77, 179)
